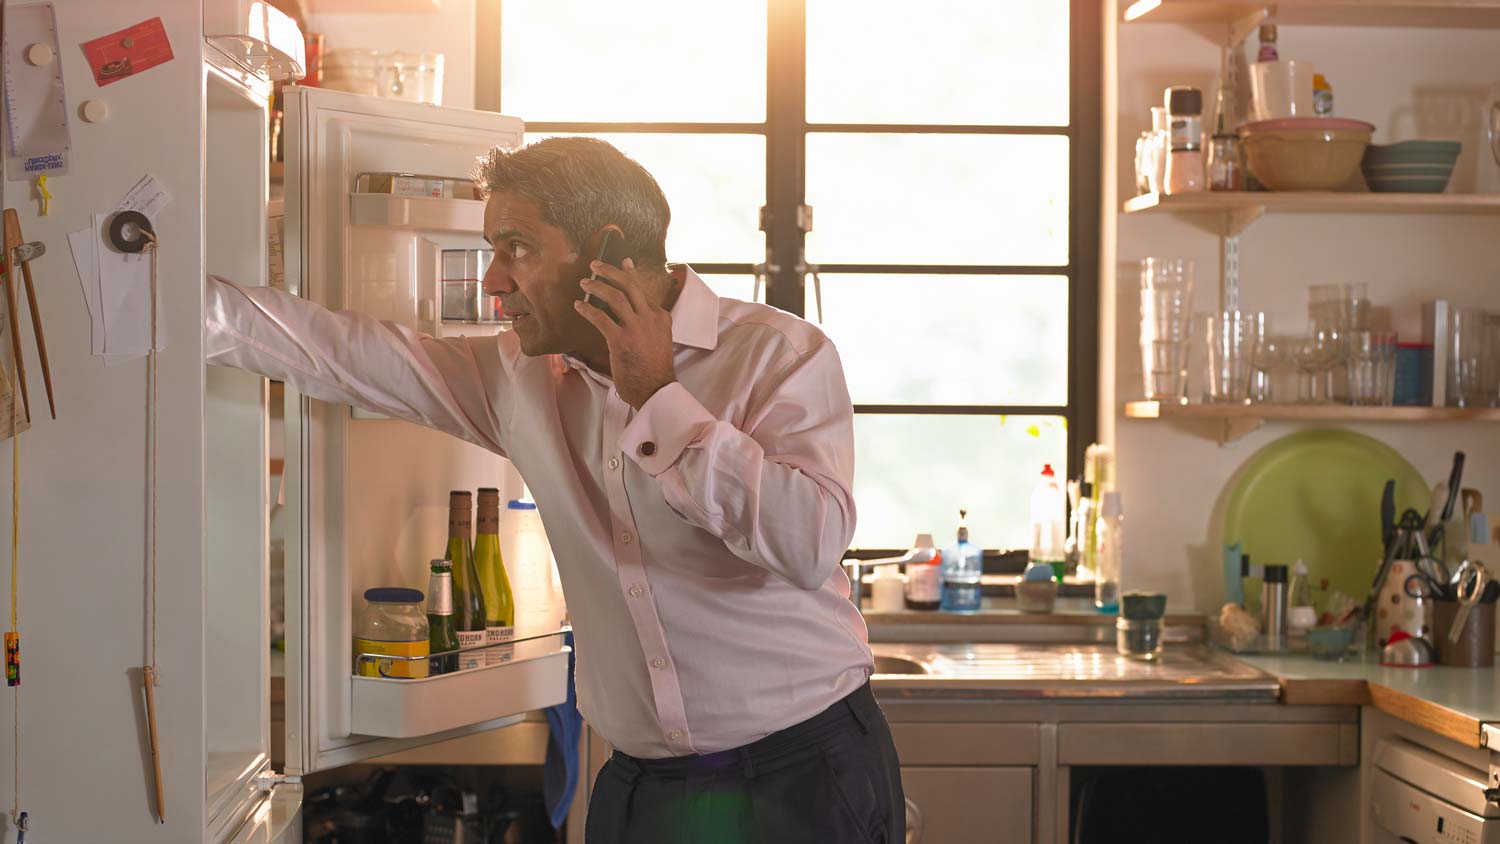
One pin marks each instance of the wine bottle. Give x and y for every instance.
(468, 598)
(499, 603)
(442, 638)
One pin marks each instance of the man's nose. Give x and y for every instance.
(497, 279)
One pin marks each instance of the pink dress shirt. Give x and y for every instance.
(698, 539)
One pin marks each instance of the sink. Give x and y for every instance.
(886, 664)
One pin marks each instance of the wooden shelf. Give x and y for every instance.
(1396, 13)
(1237, 420)
(1315, 202)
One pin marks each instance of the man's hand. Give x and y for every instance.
(640, 344)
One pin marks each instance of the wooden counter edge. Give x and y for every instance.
(1413, 710)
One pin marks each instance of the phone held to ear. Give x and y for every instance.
(612, 252)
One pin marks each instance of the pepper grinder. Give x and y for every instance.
(1273, 607)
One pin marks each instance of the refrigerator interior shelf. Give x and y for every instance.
(536, 678)
(417, 212)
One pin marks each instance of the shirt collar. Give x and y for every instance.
(695, 316)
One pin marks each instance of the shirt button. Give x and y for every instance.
(658, 662)
(614, 463)
(627, 537)
(675, 735)
(648, 448)
(635, 591)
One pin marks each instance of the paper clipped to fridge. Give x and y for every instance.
(117, 285)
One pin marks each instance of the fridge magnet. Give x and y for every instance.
(128, 52)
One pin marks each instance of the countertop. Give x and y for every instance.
(1453, 702)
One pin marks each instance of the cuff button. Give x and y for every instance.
(648, 449)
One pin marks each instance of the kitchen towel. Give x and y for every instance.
(560, 771)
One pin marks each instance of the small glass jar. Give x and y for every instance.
(1139, 638)
(1226, 170)
(392, 625)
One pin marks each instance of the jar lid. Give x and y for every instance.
(394, 595)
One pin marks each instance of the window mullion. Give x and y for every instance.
(786, 130)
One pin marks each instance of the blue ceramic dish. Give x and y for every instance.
(1410, 166)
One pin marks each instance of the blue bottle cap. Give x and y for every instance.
(520, 505)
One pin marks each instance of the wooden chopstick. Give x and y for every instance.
(12, 240)
(36, 313)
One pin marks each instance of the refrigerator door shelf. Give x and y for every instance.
(535, 679)
(417, 212)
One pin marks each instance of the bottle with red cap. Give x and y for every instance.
(1049, 523)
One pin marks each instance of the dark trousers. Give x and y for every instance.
(832, 779)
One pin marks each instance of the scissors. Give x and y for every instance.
(1435, 573)
(1469, 588)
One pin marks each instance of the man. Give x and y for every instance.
(693, 458)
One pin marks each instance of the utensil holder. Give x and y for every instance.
(1475, 647)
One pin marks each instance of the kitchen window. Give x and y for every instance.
(920, 179)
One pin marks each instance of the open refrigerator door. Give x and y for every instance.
(381, 217)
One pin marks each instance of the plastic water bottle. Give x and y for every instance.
(1111, 538)
(1049, 523)
(963, 563)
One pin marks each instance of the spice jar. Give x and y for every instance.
(392, 625)
(1185, 159)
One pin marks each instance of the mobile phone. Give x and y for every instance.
(612, 252)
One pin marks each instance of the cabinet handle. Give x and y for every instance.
(913, 822)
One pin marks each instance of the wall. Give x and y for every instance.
(449, 31)
(1174, 477)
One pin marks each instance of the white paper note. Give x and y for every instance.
(82, 244)
(148, 197)
(125, 296)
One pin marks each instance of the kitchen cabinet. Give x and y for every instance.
(967, 804)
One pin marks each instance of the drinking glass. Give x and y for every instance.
(1328, 307)
(1166, 301)
(1466, 358)
(1272, 356)
(1315, 355)
(1491, 368)
(1232, 338)
(1371, 366)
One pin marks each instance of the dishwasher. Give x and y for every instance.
(1426, 798)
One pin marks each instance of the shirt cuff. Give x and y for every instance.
(665, 426)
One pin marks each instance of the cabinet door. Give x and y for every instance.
(964, 805)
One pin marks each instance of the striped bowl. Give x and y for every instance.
(1410, 166)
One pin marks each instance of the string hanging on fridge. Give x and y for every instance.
(131, 231)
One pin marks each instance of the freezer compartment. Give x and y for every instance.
(536, 678)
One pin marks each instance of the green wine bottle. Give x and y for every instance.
(499, 603)
(442, 638)
(468, 596)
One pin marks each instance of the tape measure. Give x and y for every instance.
(36, 107)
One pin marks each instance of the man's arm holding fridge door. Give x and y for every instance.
(457, 385)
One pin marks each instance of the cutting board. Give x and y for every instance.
(1315, 496)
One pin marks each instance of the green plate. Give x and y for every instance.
(1315, 496)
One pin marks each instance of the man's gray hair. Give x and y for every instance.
(582, 185)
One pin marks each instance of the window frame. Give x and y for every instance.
(785, 129)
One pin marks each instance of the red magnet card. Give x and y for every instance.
(128, 52)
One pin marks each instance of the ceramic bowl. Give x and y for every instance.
(1330, 642)
(1410, 166)
(1305, 153)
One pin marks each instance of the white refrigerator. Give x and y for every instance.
(354, 501)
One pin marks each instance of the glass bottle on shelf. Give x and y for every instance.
(499, 602)
(442, 636)
(468, 597)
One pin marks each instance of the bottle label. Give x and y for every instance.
(501, 650)
(924, 583)
(470, 639)
(1187, 133)
(403, 669)
(440, 594)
